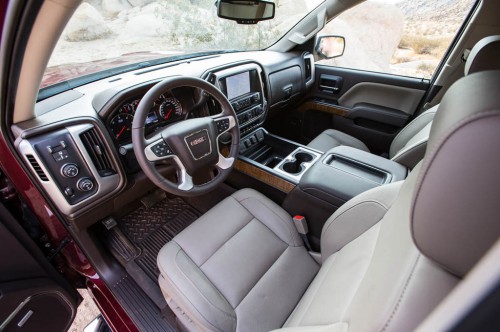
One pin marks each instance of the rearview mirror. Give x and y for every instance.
(330, 47)
(245, 11)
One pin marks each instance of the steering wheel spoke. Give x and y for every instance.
(224, 163)
(185, 180)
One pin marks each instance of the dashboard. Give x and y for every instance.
(79, 147)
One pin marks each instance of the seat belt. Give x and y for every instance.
(301, 226)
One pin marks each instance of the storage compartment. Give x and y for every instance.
(358, 169)
(265, 149)
(277, 155)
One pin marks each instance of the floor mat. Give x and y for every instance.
(150, 229)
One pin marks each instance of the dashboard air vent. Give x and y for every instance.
(213, 106)
(95, 148)
(308, 68)
(37, 168)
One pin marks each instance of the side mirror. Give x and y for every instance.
(330, 47)
(245, 11)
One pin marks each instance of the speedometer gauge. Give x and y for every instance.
(121, 125)
(170, 109)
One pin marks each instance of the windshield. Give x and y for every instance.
(103, 35)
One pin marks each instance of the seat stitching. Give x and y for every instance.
(223, 243)
(367, 267)
(403, 293)
(287, 224)
(262, 276)
(195, 287)
(311, 298)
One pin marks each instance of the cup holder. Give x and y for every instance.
(295, 166)
(303, 157)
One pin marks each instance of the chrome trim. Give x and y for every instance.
(185, 180)
(105, 185)
(225, 163)
(296, 177)
(209, 143)
(313, 69)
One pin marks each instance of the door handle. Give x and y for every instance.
(330, 83)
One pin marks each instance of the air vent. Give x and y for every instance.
(308, 70)
(95, 148)
(213, 106)
(37, 168)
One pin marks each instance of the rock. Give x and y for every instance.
(140, 3)
(143, 25)
(95, 3)
(372, 33)
(111, 8)
(86, 24)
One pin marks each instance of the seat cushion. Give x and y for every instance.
(331, 138)
(240, 267)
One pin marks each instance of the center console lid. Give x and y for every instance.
(344, 172)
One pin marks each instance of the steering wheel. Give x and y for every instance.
(191, 144)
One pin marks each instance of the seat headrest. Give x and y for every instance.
(455, 215)
(485, 55)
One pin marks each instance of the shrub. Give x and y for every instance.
(424, 45)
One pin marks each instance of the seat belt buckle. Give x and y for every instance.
(301, 226)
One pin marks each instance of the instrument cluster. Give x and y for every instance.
(166, 109)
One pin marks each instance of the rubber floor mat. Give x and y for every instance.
(150, 229)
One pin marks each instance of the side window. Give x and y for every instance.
(402, 37)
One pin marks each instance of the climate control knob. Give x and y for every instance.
(85, 184)
(70, 170)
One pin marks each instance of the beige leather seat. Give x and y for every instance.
(408, 147)
(388, 256)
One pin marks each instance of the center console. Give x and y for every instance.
(316, 183)
(244, 89)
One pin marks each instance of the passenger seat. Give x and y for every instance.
(408, 147)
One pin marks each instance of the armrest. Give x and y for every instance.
(344, 172)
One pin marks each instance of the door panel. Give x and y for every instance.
(33, 296)
(374, 106)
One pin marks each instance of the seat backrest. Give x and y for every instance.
(455, 214)
(408, 147)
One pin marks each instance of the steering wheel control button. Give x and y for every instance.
(70, 170)
(85, 184)
(161, 149)
(222, 125)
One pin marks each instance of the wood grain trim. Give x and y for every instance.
(325, 108)
(263, 176)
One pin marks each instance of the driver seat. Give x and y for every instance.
(388, 256)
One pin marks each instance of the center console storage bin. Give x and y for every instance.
(340, 174)
(265, 149)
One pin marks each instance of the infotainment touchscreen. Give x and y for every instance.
(238, 85)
